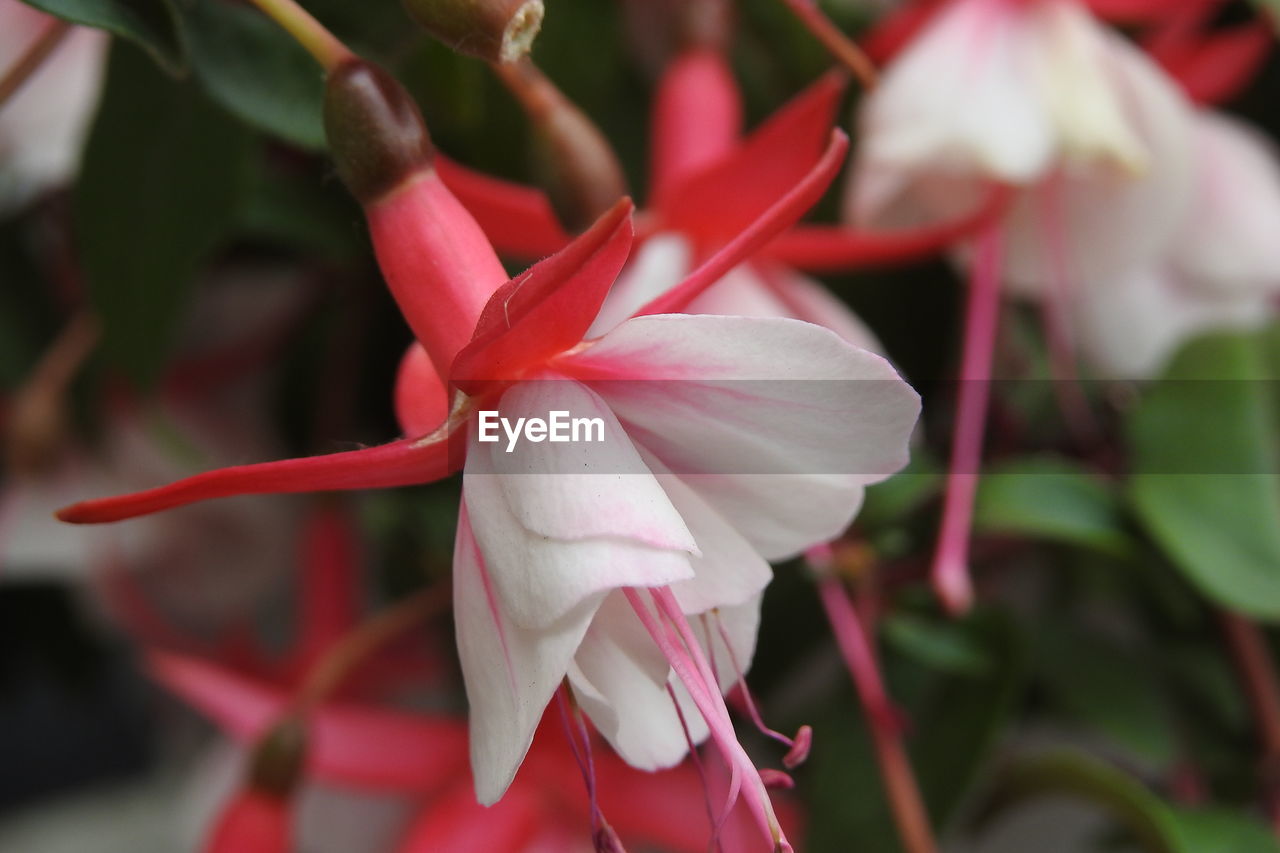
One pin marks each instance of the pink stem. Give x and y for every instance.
(951, 578)
(886, 731)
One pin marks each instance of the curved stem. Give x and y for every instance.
(31, 61)
(353, 649)
(307, 31)
(895, 767)
(840, 46)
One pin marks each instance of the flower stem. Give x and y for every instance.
(307, 31)
(1248, 647)
(354, 648)
(951, 561)
(895, 768)
(31, 60)
(840, 46)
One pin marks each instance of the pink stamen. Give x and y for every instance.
(684, 654)
(951, 578)
(716, 823)
(798, 747)
(776, 779)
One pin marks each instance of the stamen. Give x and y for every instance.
(716, 823)
(798, 747)
(575, 728)
(684, 653)
(951, 578)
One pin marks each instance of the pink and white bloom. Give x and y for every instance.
(729, 441)
(1038, 95)
(43, 125)
(1221, 270)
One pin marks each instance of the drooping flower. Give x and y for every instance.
(727, 441)
(44, 122)
(1221, 270)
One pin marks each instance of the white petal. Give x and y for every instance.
(1129, 327)
(659, 265)
(1110, 219)
(620, 678)
(1230, 241)
(776, 423)
(510, 672)
(553, 540)
(961, 98)
(747, 291)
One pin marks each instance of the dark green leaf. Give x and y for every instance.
(1148, 820)
(1224, 832)
(163, 172)
(1110, 689)
(151, 24)
(256, 70)
(1204, 481)
(941, 645)
(1051, 498)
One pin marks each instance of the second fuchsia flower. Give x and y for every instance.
(728, 441)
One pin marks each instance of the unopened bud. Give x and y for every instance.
(278, 759)
(376, 133)
(705, 24)
(492, 30)
(575, 162)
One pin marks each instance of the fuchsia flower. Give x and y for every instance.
(43, 124)
(699, 199)
(423, 759)
(729, 441)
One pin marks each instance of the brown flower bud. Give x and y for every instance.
(279, 758)
(376, 133)
(492, 30)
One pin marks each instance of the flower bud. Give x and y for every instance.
(376, 133)
(574, 161)
(492, 30)
(277, 763)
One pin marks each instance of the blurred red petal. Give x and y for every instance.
(719, 202)
(457, 822)
(697, 117)
(518, 220)
(783, 213)
(253, 822)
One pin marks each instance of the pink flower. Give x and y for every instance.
(43, 125)
(1221, 270)
(727, 441)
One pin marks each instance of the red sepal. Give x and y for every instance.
(548, 308)
(718, 202)
(781, 214)
(349, 744)
(518, 220)
(253, 822)
(400, 463)
(827, 248)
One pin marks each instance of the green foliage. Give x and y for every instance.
(1204, 472)
(157, 148)
(151, 24)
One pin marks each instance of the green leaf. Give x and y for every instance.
(1224, 832)
(941, 645)
(256, 70)
(150, 24)
(1204, 481)
(162, 174)
(1110, 689)
(1051, 498)
(1148, 820)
